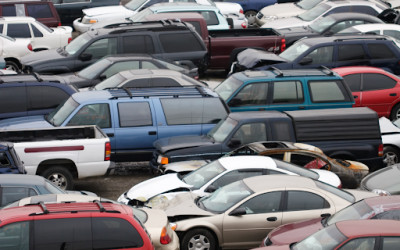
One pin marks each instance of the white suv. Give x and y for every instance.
(41, 36)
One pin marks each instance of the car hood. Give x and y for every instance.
(155, 186)
(282, 10)
(184, 204)
(76, 80)
(285, 23)
(295, 232)
(177, 142)
(295, 31)
(360, 194)
(387, 126)
(42, 56)
(107, 10)
(36, 121)
(251, 57)
(184, 166)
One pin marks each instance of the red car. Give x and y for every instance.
(380, 207)
(90, 225)
(351, 235)
(374, 88)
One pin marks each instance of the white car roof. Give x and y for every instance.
(247, 162)
(17, 19)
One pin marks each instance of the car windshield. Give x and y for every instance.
(226, 88)
(313, 13)
(169, 65)
(327, 238)
(52, 188)
(140, 215)
(204, 174)
(58, 116)
(135, 4)
(44, 27)
(225, 197)
(336, 191)
(359, 210)
(308, 4)
(322, 24)
(296, 169)
(386, 179)
(222, 130)
(294, 51)
(77, 43)
(94, 69)
(111, 82)
(350, 30)
(141, 15)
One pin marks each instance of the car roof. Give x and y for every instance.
(353, 15)
(21, 180)
(357, 228)
(342, 38)
(147, 73)
(17, 18)
(125, 57)
(387, 202)
(359, 69)
(31, 78)
(242, 162)
(375, 26)
(257, 115)
(277, 73)
(264, 182)
(173, 15)
(181, 6)
(355, 2)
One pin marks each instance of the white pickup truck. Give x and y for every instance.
(62, 154)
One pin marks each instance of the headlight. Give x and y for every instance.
(381, 192)
(160, 201)
(270, 18)
(87, 20)
(162, 160)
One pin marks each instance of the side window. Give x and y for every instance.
(377, 81)
(339, 10)
(210, 17)
(367, 243)
(380, 51)
(287, 92)
(102, 47)
(197, 27)
(39, 10)
(263, 203)
(16, 235)
(301, 200)
(114, 233)
(18, 30)
(251, 94)
(350, 52)
(308, 161)
(4, 161)
(251, 132)
(388, 215)
(392, 33)
(390, 243)
(9, 10)
(164, 82)
(180, 42)
(137, 83)
(321, 55)
(236, 175)
(12, 99)
(76, 233)
(134, 114)
(1, 28)
(327, 91)
(45, 97)
(12, 194)
(137, 44)
(353, 81)
(120, 66)
(36, 32)
(345, 24)
(365, 9)
(148, 65)
(92, 114)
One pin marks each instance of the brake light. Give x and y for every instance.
(59, 24)
(107, 153)
(69, 39)
(380, 150)
(283, 45)
(30, 47)
(241, 11)
(244, 26)
(164, 237)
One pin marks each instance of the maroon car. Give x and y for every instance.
(381, 207)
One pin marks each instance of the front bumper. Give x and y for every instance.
(81, 27)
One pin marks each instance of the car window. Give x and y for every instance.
(353, 81)
(16, 235)
(327, 91)
(392, 33)
(321, 55)
(307, 161)
(302, 200)
(134, 114)
(4, 161)
(365, 9)
(251, 94)
(366, 243)
(390, 243)
(102, 47)
(1, 28)
(380, 51)
(92, 114)
(388, 215)
(39, 10)
(114, 233)
(18, 30)
(287, 92)
(345, 24)
(137, 44)
(180, 42)
(150, 65)
(9, 10)
(263, 203)
(236, 175)
(164, 82)
(251, 132)
(339, 9)
(17, 103)
(120, 66)
(377, 81)
(210, 17)
(36, 32)
(45, 97)
(348, 52)
(12, 194)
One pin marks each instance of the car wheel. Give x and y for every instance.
(10, 65)
(60, 177)
(251, 18)
(391, 155)
(395, 114)
(200, 239)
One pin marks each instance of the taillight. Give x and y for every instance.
(107, 153)
(380, 150)
(244, 26)
(165, 238)
(59, 24)
(30, 47)
(283, 45)
(69, 39)
(241, 11)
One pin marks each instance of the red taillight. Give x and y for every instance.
(69, 39)
(380, 150)
(241, 11)
(107, 151)
(244, 26)
(30, 47)
(164, 237)
(59, 24)
(283, 45)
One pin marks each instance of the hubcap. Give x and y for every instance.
(199, 242)
(59, 180)
(390, 158)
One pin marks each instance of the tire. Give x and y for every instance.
(199, 239)
(391, 155)
(395, 114)
(12, 66)
(60, 177)
(251, 18)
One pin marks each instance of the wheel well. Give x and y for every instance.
(15, 60)
(391, 145)
(68, 164)
(182, 234)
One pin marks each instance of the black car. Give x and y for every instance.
(327, 26)
(110, 65)
(335, 51)
(173, 40)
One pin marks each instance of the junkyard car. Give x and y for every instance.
(240, 214)
(390, 132)
(385, 181)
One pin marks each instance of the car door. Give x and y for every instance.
(263, 213)
(96, 50)
(354, 83)
(314, 58)
(351, 54)
(287, 95)
(250, 97)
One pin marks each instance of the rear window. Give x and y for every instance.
(336, 191)
(39, 10)
(328, 91)
(180, 42)
(380, 51)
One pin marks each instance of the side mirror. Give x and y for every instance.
(85, 57)
(329, 33)
(305, 61)
(235, 102)
(234, 143)
(102, 77)
(238, 211)
(210, 189)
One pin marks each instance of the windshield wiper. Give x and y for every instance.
(211, 138)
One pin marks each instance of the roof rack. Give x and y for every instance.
(164, 91)
(358, 38)
(138, 25)
(277, 71)
(326, 70)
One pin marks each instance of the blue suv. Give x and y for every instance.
(285, 90)
(134, 118)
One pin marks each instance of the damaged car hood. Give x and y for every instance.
(184, 204)
(178, 142)
(251, 57)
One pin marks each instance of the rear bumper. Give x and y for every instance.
(111, 169)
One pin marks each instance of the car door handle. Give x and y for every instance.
(272, 219)
(355, 96)
(392, 94)
(152, 132)
(110, 135)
